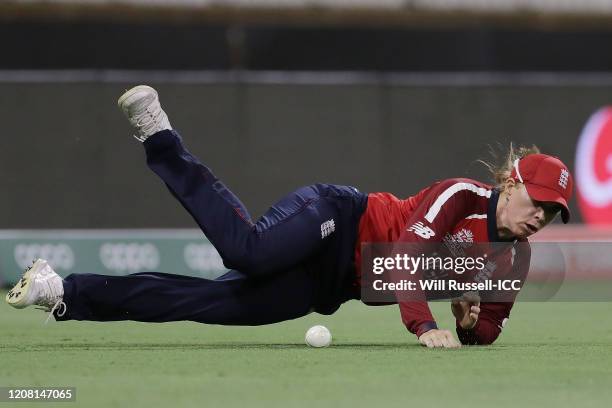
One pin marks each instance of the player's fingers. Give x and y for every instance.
(457, 310)
(452, 343)
(437, 341)
(425, 341)
(445, 341)
(474, 316)
(475, 309)
(460, 306)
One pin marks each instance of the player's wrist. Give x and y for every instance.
(425, 327)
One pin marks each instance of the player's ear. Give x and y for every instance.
(509, 184)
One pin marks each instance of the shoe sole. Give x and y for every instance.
(124, 100)
(18, 296)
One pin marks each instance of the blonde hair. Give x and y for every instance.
(501, 169)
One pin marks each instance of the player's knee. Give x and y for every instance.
(248, 262)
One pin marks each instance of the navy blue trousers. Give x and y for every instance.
(297, 258)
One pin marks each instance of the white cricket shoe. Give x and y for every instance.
(39, 286)
(142, 108)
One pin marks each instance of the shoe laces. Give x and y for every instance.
(61, 308)
(51, 300)
(151, 118)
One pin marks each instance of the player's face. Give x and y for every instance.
(525, 216)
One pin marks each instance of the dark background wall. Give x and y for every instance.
(36, 44)
(67, 159)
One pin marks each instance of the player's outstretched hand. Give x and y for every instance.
(436, 338)
(466, 310)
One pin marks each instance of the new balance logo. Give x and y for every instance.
(421, 230)
(327, 228)
(563, 178)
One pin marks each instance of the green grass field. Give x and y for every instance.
(550, 354)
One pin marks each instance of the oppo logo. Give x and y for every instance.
(594, 168)
(203, 258)
(60, 256)
(129, 257)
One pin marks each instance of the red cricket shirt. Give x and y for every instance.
(451, 209)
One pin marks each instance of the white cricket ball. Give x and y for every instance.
(318, 336)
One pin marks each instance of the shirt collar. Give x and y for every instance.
(492, 218)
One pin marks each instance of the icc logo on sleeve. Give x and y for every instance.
(594, 168)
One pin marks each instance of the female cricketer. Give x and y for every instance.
(303, 254)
